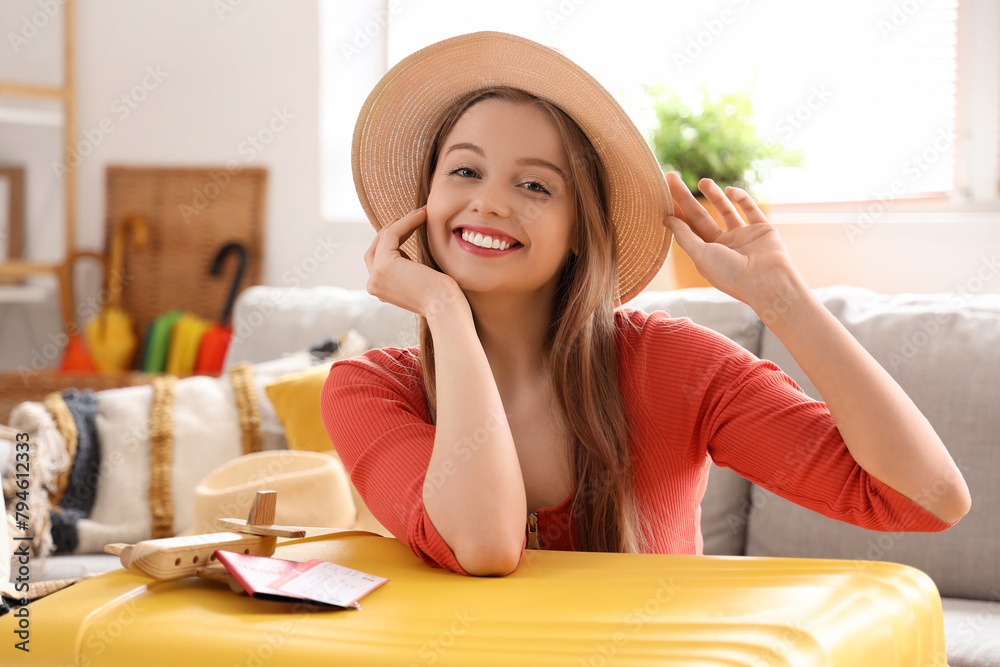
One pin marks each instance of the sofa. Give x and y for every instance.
(943, 349)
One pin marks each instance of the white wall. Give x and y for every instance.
(224, 77)
(923, 253)
(221, 78)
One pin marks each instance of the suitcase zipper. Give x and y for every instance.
(533, 542)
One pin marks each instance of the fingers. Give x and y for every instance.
(394, 234)
(399, 230)
(370, 253)
(749, 206)
(714, 193)
(693, 212)
(700, 220)
(690, 242)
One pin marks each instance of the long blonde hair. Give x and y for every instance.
(580, 343)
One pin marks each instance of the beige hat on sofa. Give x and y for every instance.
(313, 490)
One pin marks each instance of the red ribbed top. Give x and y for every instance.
(691, 396)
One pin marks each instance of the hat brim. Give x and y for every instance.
(406, 104)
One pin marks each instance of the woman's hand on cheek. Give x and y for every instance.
(746, 261)
(395, 278)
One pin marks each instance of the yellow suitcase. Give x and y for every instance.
(558, 608)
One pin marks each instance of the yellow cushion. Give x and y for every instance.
(296, 400)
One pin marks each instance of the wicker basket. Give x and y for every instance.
(35, 386)
(190, 215)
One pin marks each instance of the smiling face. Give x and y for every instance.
(502, 173)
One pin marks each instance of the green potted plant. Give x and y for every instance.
(714, 137)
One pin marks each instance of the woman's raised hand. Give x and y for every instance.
(395, 278)
(746, 261)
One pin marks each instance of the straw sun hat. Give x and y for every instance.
(402, 109)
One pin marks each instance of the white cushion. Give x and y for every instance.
(271, 321)
(206, 435)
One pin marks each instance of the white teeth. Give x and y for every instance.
(478, 239)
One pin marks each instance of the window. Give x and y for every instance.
(867, 90)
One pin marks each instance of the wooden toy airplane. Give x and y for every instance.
(177, 557)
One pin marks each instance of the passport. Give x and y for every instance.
(315, 581)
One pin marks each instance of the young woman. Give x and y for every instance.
(517, 207)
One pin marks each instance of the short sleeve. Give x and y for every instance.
(750, 416)
(377, 419)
